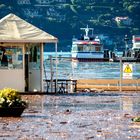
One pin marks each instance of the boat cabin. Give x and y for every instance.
(87, 46)
(87, 43)
(136, 46)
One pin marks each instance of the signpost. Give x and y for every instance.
(120, 74)
(126, 72)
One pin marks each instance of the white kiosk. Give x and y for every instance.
(21, 54)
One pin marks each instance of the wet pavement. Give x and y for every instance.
(104, 116)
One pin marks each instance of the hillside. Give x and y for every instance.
(64, 18)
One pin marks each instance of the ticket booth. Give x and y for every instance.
(21, 54)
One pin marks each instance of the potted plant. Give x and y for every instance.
(11, 103)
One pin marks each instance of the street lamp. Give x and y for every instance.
(126, 39)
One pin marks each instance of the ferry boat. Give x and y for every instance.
(136, 45)
(132, 54)
(88, 48)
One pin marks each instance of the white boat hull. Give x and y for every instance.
(88, 56)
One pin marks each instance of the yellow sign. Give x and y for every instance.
(127, 69)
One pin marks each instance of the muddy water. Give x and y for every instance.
(102, 116)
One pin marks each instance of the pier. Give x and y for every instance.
(91, 85)
(108, 84)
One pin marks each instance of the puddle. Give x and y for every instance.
(82, 117)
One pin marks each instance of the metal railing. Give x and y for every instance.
(67, 70)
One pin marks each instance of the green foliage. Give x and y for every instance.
(135, 31)
(72, 1)
(68, 16)
(2, 6)
(131, 5)
(73, 8)
(10, 98)
(136, 119)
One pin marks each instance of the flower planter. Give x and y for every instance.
(11, 111)
(11, 104)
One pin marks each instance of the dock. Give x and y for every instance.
(108, 84)
(92, 85)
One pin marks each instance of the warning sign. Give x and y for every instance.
(127, 71)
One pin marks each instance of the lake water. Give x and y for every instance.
(81, 70)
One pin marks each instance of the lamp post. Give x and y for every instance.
(126, 44)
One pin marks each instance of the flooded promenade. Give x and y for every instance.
(88, 116)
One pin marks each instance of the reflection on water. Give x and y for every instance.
(127, 103)
(75, 117)
(95, 102)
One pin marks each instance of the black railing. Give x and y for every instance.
(60, 86)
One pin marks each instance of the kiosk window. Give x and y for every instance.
(11, 57)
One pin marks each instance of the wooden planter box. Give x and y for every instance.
(11, 112)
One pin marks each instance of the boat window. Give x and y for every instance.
(138, 45)
(92, 48)
(97, 49)
(74, 48)
(80, 48)
(86, 48)
(11, 57)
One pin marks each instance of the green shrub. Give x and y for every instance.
(10, 98)
(136, 119)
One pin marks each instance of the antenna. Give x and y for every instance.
(87, 29)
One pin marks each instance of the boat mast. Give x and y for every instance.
(87, 29)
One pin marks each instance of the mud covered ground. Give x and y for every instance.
(104, 116)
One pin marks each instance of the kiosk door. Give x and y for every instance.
(34, 74)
